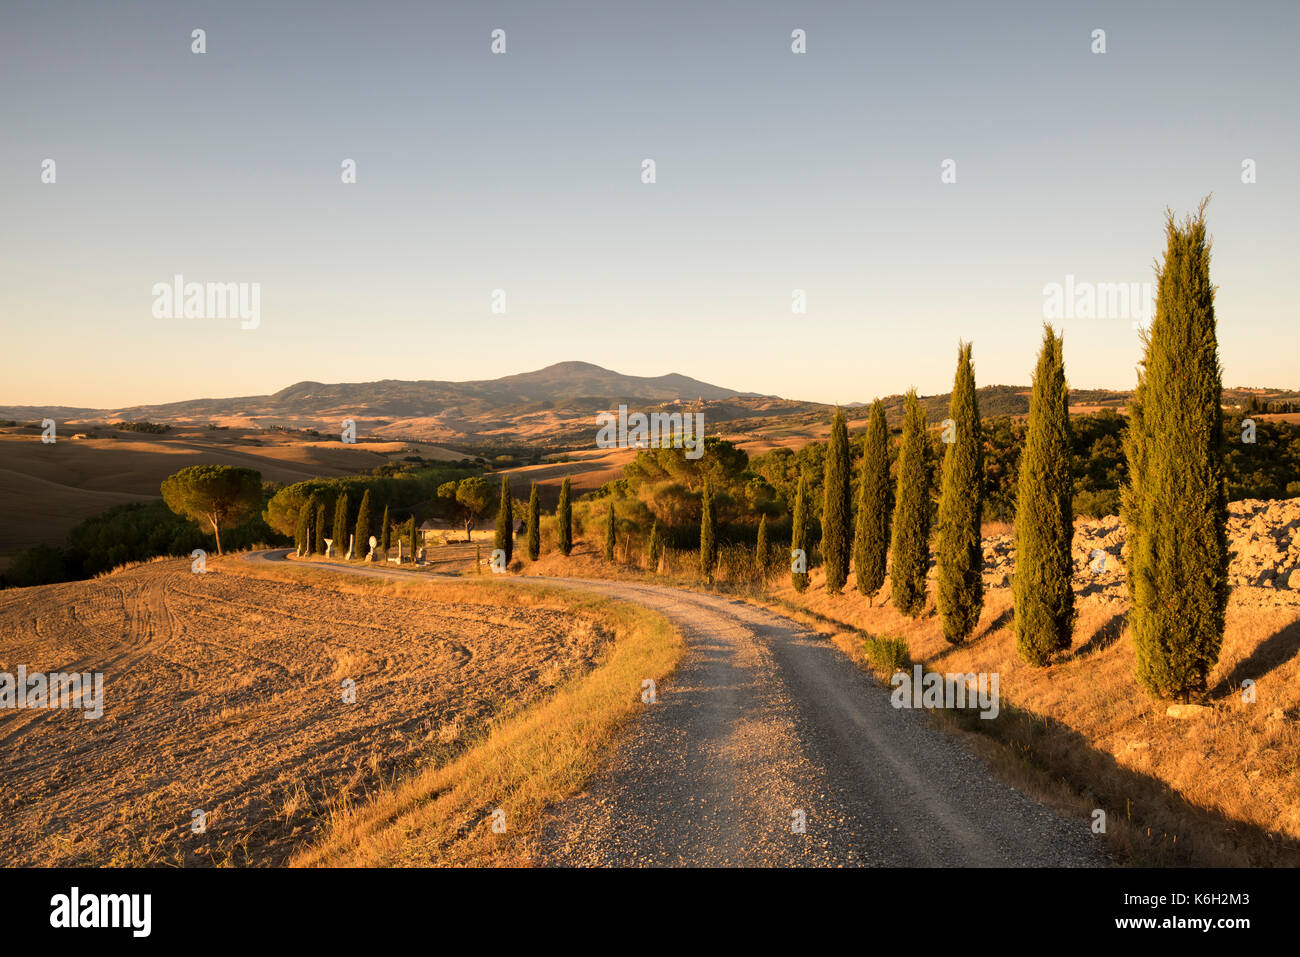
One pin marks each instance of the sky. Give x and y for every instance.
(522, 171)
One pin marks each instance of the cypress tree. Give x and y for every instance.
(505, 535)
(1175, 504)
(609, 533)
(708, 534)
(837, 507)
(959, 551)
(761, 549)
(302, 533)
(871, 535)
(564, 520)
(385, 534)
(410, 532)
(654, 547)
(534, 524)
(340, 534)
(310, 539)
(910, 544)
(799, 537)
(1041, 588)
(363, 527)
(319, 544)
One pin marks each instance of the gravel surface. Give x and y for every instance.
(766, 719)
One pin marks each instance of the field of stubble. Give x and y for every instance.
(224, 692)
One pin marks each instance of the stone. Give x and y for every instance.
(329, 548)
(351, 541)
(1293, 580)
(1187, 710)
(370, 556)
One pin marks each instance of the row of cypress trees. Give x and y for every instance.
(313, 527)
(1174, 503)
(504, 535)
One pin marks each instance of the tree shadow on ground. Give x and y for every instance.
(1268, 654)
(1148, 823)
(1105, 636)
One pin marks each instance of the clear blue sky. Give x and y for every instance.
(776, 171)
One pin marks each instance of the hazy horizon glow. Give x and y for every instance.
(521, 172)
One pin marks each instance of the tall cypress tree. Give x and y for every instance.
(534, 524)
(837, 507)
(609, 533)
(310, 540)
(340, 534)
(302, 532)
(761, 550)
(708, 534)
(363, 527)
(505, 534)
(1041, 587)
(321, 533)
(871, 534)
(410, 537)
(799, 537)
(385, 534)
(1175, 504)
(960, 555)
(653, 548)
(910, 544)
(564, 520)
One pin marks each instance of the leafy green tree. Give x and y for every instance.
(708, 534)
(871, 535)
(960, 554)
(837, 507)
(340, 536)
(505, 536)
(534, 524)
(222, 496)
(363, 527)
(467, 499)
(1175, 504)
(564, 520)
(609, 533)
(799, 539)
(1041, 588)
(910, 544)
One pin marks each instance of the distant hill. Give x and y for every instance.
(549, 408)
(517, 408)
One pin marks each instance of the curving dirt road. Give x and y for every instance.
(767, 725)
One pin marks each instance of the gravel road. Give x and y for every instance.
(765, 726)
